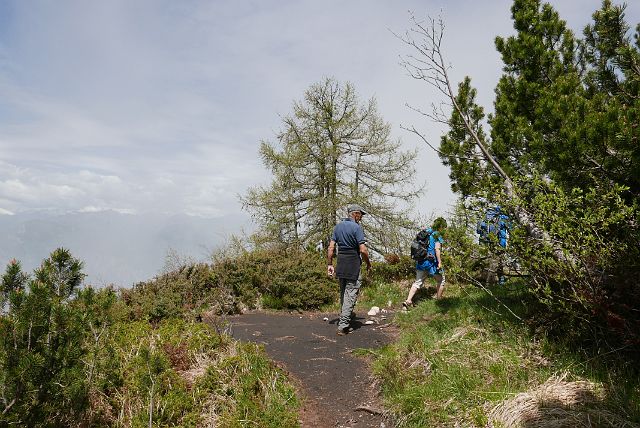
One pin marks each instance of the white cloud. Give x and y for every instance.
(161, 105)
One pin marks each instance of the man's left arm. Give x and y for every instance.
(330, 253)
(438, 254)
(364, 253)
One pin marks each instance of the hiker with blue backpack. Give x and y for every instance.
(426, 250)
(495, 223)
(493, 232)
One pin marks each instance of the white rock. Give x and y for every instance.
(368, 322)
(373, 311)
(325, 319)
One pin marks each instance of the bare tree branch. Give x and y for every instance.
(428, 64)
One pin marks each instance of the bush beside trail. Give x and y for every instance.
(181, 373)
(83, 357)
(276, 279)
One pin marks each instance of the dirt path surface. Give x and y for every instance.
(336, 385)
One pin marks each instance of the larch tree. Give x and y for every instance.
(334, 150)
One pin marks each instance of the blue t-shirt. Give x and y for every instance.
(431, 265)
(348, 235)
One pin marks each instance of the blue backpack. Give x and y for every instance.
(423, 247)
(493, 224)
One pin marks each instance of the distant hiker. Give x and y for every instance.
(351, 249)
(492, 230)
(426, 250)
(495, 223)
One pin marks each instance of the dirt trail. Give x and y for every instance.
(336, 385)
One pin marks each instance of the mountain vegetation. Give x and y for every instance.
(333, 150)
(72, 356)
(559, 155)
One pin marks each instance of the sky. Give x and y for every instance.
(160, 105)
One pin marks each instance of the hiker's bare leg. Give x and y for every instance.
(420, 276)
(412, 292)
(439, 285)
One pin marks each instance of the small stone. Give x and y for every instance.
(373, 311)
(368, 322)
(325, 319)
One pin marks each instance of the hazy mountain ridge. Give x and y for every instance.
(116, 248)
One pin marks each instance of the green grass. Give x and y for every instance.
(246, 390)
(194, 375)
(381, 294)
(384, 293)
(458, 357)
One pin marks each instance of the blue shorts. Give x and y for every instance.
(430, 266)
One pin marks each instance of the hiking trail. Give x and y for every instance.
(335, 386)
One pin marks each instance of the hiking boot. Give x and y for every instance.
(406, 306)
(344, 331)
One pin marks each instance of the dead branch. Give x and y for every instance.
(428, 64)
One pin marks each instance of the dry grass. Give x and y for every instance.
(557, 404)
(198, 368)
(201, 362)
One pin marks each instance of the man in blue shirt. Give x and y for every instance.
(349, 238)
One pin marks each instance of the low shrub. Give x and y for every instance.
(271, 279)
(282, 279)
(183, 373)
(73, 357)
(186, 292)
(393, 269)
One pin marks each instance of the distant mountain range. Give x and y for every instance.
(119, 249)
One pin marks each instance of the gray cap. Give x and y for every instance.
(355, 207)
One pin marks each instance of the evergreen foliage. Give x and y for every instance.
(73, 357)
(41, 337)
(561, 158)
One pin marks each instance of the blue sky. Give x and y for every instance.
(160, 106)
